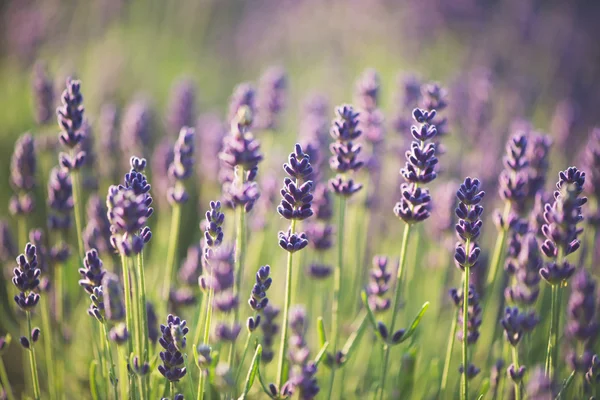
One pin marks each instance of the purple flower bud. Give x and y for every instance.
(182, 103)
(43, 94)
(113, 297)
(60, 199)
(270, 329)
(70, 115)
(92, 273)
(319, 271)
(24, 342)
(35, 334)
(173, 342)
(22, 174)
(292, 242)
(119, 334)
(26, 278)
(271, 97)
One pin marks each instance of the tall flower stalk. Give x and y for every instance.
(344, 160)
(561, 233)
(72, 123)
(180, 170)
(415, 203)
(295, 206)
(22, 178)
(26, 279)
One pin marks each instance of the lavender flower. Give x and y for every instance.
(591, 161)
(344, 152)
(243, 95)
(270, 329)
(582, 326)
(213, 231)
(92, 272)
(302, 371)
(60, 200)
(70, 120)
(22, 175)
(182, 105)
(407, 98)
(162, 158)
(173, 342)
(537, 154)
(26, 278)
(473, 322)
(88, 166)
(135, 128)
(36, 237)
(469, 223)
(371, 121)
(7, 244)
(561, 229)
(43, 94)
(109, 141)
(296, 195)
(114, 303)
(271, 98)
(119, 334)
(96, 234)
(191, 268)
(525, 269)
(433, 97)
(539, 386)
(97, 309)
(258, 298)
(379, 284)
(513, 181)
(516, 324)
(210, 132)
(182, 166)
(319, 271)
(415, 204)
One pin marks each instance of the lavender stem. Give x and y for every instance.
(284, 325)
(52, 384)
(77, 199)
(465, 342)
(337, 287)
(398, 289)
(128, 306)
(5, 381)
(32, 361)
(207, 324)
(171, 253)
(112, 377)
(144, 317)
(449, 349)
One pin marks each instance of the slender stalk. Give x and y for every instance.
(59, 292)
(123, 375)
(337, 288)
(199, 323)
(128, 305)
(448, 359)
(77, 199)
(32, 360)
(22, 228)
(515, 357)
(207, 324)
(286, 309)
(498, 252)
(172, 252)
(5, 381)
(240, 253)
(50, 366)
(465, 317)
(172, 384)
(241, 363)
(397, 297)
(143, 317)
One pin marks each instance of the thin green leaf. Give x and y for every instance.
(354, 338)
(321, 331)
(195, 351)
(485, 387)
(93, 383)
(370, 315)
(252, 372)
(415, 323)
(321, 353)
(565, 386)
(262, 384)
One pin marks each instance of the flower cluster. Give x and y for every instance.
(469, 223)
(473, 322)
(113, 295)
(71, 120)
(320, 232)
(415, 203)
(182, 166)
(26, 278)
(379, 284)
(182, 103)
(269, 329)
(560, 229)
(270, 99)
(538, 151)
(213, 231)
(433, 97)
(173, 341)
(243, 95)
(407, 98)
(344, 152)
(258, 297)
(43, 94)
(371, 121)
(96, 234)
(92, 272)
(525, 268)
(60, 200)
(22, 175)
(513, 181)
(226, 301)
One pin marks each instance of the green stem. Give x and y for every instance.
(207, 323)
(32, 360)
(554, 313)
(515, 357)
(128, 306)
(241, 363)
(22, 227)
(123, 375)
(240, 253)
(50, 366)
(199, 323)
(144, 318)
(5, 381)
(397, 297)
(77, 199)
(172, 384)
(286, 309)
(465, 318)
(172, 252)
(337, 288)
(59, 293)
(448, 359)
(498, 251)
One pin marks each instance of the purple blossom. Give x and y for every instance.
(182, 104)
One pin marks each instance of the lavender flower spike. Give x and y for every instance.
(182, 105)
(182, 166)
(271, 99)
(92, 273)
(26, 278)
(344, 152)
(43, 93)
(173, 342)
(22, 175)
(71, 120)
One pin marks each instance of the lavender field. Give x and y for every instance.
(299, 199)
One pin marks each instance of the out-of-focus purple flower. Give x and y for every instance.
(239, 147)
(302, 371)
(162, 158)
(114, 303)
(191, 268)
(408, 97)
(119, 334)
(225, 332)
(581, 309)
(92, 271)
(591, 160)
(592, 375)
(563, 121)
(270, 329)
(371, 120)
(271, 97)
(434, 97)
(538, 151)
(243, 95)
(26, 278)
(513, 180)
(152, 323)
(60, 200)
(8, 249)
(379, 284)
(173, 341)
(43, 94)
(22, 175)
(525, 269)
(182, 166)
(517, 323)
(474, 314)
(539, 386)
(319, 271)
(96, 234)
(70, 120)
(135, 128)
(89, 179)
(269, 195)
(182, 106)
(442, 208)
(210, 132)
(109, 141)
(181, 297)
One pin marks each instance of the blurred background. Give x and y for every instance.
(525, 63)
